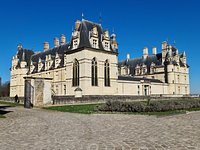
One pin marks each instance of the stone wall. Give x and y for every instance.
(98, 99)
(11, 99)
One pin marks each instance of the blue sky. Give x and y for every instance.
(137, 23)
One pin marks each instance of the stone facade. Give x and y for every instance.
(89, 62)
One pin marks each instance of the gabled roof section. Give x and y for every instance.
(84, 30)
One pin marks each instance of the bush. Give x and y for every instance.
(154, 106)
(120, 106)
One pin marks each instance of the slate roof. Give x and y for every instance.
(132, 63)
(84, 29)
(25, 55)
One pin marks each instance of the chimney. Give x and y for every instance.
(145, 52)
(154, 51)
(46, 46)
(56, 42)
(127, 56)
(77, 24)
(62, 39)
(164, 45)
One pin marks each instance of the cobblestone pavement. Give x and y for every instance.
(36, 129)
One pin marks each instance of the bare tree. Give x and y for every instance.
(5, 89)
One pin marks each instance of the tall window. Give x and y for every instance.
(65, 90)
(94, 72)
(106, 73)
(186, 90)
(178, 77)
(75, 80)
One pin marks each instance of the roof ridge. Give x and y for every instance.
(90, 22)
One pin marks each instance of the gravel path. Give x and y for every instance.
(37, 129)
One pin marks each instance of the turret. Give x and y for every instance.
(114, 43)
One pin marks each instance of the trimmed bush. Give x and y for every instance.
(153, 106)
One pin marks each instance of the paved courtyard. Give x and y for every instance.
(36, 129)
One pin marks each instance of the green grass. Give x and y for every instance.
(1, 116)
(91, 109)
(12, 104)
(83, 108)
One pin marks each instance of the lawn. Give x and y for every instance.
(1, 116)
(83, 108)
(92, 108)
(12, 104)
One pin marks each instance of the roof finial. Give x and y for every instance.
(167, 39)
(100, 18)
(82, 16)
(174, 43)
(113, 30)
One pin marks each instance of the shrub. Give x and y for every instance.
(154, 106)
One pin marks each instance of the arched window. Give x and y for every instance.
(75, 80)
(94, 72)
(107, 73)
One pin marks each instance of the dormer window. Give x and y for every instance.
(93, 37)
(137, 70)
(40, 65)
(75, 43)
(32, 67)
(106, 45)
(152, 69)
(144, 69)
(57, 60)
(48, 62)
(106, 40)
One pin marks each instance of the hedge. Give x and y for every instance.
(153, 106)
